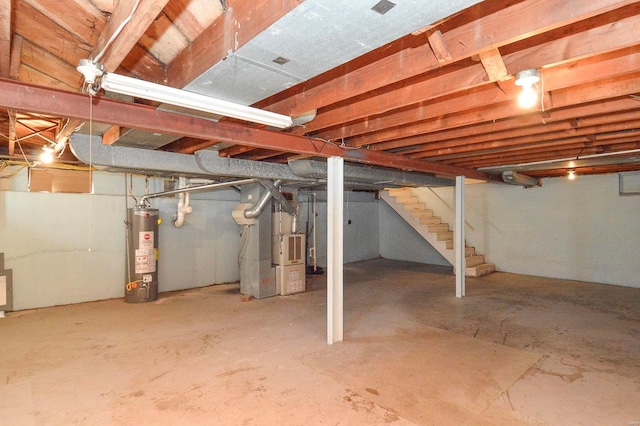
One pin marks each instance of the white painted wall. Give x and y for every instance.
(399, 241)
(69, 248)
(361, 237)
(581, 230)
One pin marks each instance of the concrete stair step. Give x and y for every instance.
(480, 270)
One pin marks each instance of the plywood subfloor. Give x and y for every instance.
(516, 350)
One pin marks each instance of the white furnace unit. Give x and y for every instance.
(288, 254)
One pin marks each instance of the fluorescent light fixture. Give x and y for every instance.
(164, 94)
(527, 79)
(111, 82)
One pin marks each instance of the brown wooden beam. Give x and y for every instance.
(521, 136)
(535, 123)
(602, 39)
(187, 145)
(232, 151)
(5, 37)
(506, 26)
(439, 47)
(588, 92)
(493, 65)
(16, 54)
(12, 131)
(23, 97)
(145, 13)
(241, 21)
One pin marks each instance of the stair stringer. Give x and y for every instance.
(431, 238)
(475, 264)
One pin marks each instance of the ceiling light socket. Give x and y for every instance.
(527, 78)
(90, 70)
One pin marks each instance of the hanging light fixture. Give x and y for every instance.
(571, 174)
(96, 78)
(528, 79)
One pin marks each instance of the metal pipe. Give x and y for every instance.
(206, 187)
(255, 211)
(275, 192)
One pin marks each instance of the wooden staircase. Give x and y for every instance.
(433, 230)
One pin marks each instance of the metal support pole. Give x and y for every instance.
(458, 238)
(335, 215)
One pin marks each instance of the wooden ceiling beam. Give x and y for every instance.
(606, 38)
(442, 115)
(567, 151)
(80, 18)
(113, 54)
(501, 148)
(494, 65)
(508, 25)
(144, 15)
(579, 144)
(241, 22)
(12, 131)
(187, 145)
(520, 135)
(5, 38)
(232, 151)
(539, 120)
(439, 47)
(22, 97)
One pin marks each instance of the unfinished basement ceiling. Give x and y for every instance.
(426, 87)
(313, 38)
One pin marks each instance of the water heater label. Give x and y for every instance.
(145, 261)
(145, 240)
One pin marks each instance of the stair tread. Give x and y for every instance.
(411, 204)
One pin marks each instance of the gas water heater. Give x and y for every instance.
(142, 255)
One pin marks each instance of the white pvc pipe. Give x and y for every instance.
(183, 203)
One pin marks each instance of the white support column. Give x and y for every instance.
(458, 238)
(335, 214)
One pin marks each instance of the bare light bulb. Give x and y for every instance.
(571, 174)
(528, 97)
(47, 155)
(527, 79)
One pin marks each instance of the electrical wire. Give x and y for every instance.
(10, 175)
(342, 146)
(117, 32)
(24, 155)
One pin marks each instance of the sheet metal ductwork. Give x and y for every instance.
(208, 164)
(314, 169)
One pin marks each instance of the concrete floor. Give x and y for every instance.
(515, 350)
